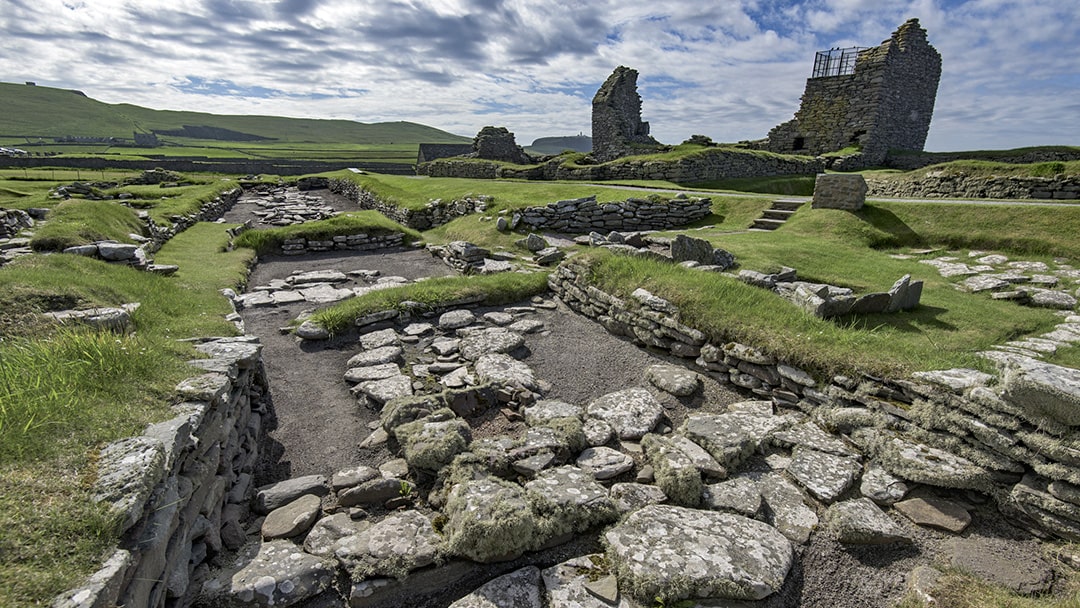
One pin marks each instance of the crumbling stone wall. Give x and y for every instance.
(616, 118)
(935, 185)
(885, 104)
(436, 213)
(497, 143)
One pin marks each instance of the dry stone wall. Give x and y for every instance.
(708, 165)
(436, 213)
(939, 185)
(182, 488)
(583, 215)
(1010, 436)
(350, 242)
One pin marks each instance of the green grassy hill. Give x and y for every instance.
(36, 111)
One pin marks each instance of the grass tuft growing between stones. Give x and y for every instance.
(958, 589)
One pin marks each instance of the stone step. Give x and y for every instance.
(767, 224)
(777, 214)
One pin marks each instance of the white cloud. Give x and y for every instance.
(730, 69)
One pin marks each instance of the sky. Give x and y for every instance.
(727, 69)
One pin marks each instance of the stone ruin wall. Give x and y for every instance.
(709, 165)
(437, 212)
(616, 117)
(1063, 187)
(887, 103)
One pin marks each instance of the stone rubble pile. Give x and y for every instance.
(1030, 283)
(136, 256)
(316, 287)
(468, 258)
(13, 221)
(826, 301)
(282, 206)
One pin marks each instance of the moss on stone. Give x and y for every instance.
(431, 443)
(675, 473)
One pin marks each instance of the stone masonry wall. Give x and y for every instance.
(887, 103)
(839, 191)
(708, 165)
(209, 211)
(963, 186)
(352, 242)
(183, 487)
(1007, 436)
(585, 215)
(437, 212)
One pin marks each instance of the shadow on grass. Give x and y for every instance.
(895, 233)
(926, 316)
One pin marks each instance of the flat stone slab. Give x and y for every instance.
(324, 535)
(633, 496)
(571, 584)
(673, 379)
(281, 574)
(1044, 390)
(379, 339)
(730, 438)
(810, 435)
(881, 486)
(317, 276)
(604, 462)
(924, 464)
(862, 522)
(326, 294)
(381, 391)
(935, 513)
(504, 370)
(292, 519)
(676, 553)
(501, 319)
(282, 493)
(740, 495)
(1058, 300)
(550, 409)
(979, 283)
(527, 326)
(398, 544)
(489, 341)
(489, 520)
(579, 501)
(377, 356)
(519, 589)
(956, 380)
(381, 371)
(825, 476)
(789, 511)
(456, 319)
(631, 412)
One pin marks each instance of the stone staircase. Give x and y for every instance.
(775, 216)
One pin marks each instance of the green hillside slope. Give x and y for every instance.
(36, 111)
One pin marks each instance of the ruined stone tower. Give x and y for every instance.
(879, 98)
(617, 129)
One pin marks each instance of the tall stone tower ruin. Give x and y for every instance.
(879, 98)
(617, 129)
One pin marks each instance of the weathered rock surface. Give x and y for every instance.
(394, 546)
(676, 553)
(281, 574)
(631, 412)
(862, 522)
(519, 589)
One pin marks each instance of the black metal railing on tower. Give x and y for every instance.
(836, 62)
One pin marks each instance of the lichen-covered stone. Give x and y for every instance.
(377, 356)
(604, 463)
(673, 379)
(825, 476)
(128, 471)
(1044, 389)
(567, 584)
(504, 370)
(633, 496)
(788, 510)
(570, 500)
(547, 409)
(432, 442)
(731, 437)
(272, 496)
(676, 474)
(489, 341)
(674, 553)
(393, 547)
(925, 464)
(740, 495)
(489, 520)
(631, 412)
(519, 589)
(324, 535)
(862, 522)
(280, 575)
